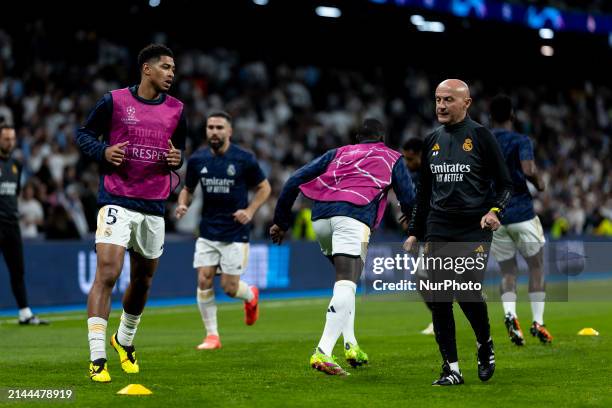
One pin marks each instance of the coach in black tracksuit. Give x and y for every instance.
(10, 233)
(456, 203)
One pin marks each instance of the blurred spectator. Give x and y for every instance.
(59, 224)
(302, 225)
(30, 212)
(289, 115)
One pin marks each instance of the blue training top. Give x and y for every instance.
(225, 180)
(516, 147)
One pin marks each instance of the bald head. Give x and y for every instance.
(452, 101)
(457, 86)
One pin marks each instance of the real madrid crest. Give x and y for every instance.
(231, 170)
(467, 144)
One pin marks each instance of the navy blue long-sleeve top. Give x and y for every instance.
(401, 182)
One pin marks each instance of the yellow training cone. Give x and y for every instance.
(135, 389)
(588, 331)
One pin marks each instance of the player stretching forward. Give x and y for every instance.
(226, 173)
(349, 187)
(521, 228)
(140, 126)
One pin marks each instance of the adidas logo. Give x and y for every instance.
(331, 309)
(480, 249)
(435, 149)
(204, 170)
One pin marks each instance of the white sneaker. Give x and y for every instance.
(429, 330)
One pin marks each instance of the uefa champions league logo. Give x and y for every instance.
(131, 115)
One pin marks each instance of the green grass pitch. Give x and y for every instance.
(267, 364)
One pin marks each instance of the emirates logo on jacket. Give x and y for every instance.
(448, 173)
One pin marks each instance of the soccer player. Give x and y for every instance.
(521, 229)
(143, 130)
(226, 173)
(456, 203)
(412, 151)
(349, 188)
(10, 232)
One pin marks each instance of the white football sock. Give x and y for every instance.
(337, 314)
(244, 291)
(96, 327)
(537, 306)
(127, 328)
(348, 331)
(25, 313)
(208, 310)
(509, 303)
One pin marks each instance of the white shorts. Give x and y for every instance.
(527, 237)
(342, 235)
(231, 257)
(144, 233)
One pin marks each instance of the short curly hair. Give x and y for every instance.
(153, 52)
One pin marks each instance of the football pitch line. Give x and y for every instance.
(587, 289)
(165, 310)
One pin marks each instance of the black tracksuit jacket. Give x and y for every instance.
(463, 175)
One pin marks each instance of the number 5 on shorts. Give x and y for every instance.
(111, 216)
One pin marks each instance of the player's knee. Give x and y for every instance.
(535, 262)
(142, 281)
(205, 283)
(106, 278)
(109, 265)
(348, 267)
(107, 272)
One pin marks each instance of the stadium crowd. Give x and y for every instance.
(590, 6)
(287, 115)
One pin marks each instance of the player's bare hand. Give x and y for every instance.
(114, 154)
(180, 211)
(277, 234)
(174, 155)
(409, 244)
(243, 216)
(490, 221)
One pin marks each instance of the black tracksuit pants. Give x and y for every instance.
(451, 236)
(12, 249)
